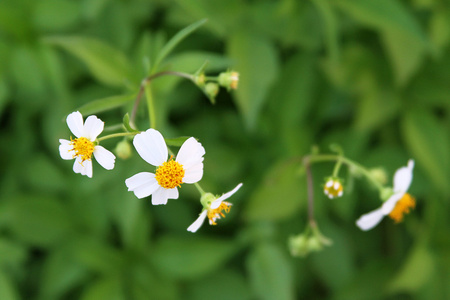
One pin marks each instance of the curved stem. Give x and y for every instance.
(110, 136)
(199, 188)
(310, 186)
(146, 81)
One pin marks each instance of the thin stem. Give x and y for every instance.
(337, 167)
(310, 186)
(146, 81)
(110, 136)
(199, 188)
(151, 106)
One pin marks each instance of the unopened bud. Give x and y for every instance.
(211, 89)
(229, 79)
(123, 149)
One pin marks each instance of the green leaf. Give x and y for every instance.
(191, 257)
(270, 272)
(109, 288)
(416, 271)
(7, 289)
(175, 40)
(428, 141)
(104, 104)
(191, 61)
(257, 64)
(385, 15)
(280, 195)
(406, 54)
(107, 64)
(176, 142)
(39, 220)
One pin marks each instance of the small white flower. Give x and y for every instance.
(84, 145)
(213, 209)
(170, 174)
(399, 203)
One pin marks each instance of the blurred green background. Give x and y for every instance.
(372, 76)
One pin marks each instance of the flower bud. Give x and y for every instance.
(298, 245)
(211, 89)
(379, 175)
(229, 79)
(123, 149)
(333, 188)
(200, 79)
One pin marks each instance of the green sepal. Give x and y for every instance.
(126, 124)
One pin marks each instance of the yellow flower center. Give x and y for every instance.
(214, 214)
(333, 189)
(402, 207)
(170, 174)
(83, 148)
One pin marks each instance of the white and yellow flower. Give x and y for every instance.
(84, 146)
(398, 204)
(170, 174)
(213, 208)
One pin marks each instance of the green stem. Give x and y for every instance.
(110, 136)
(330, 157)
(151, 106)
(199, 188)
(337, 167)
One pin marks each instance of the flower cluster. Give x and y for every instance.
(169, 175)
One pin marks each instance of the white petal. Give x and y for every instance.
(172, 193)
(151, 147)
(75, 123)
(93, 127)
(403, 177)
(225, 196)
(84, 168)
(160, 196)
(66, 150)
(193, 174)
(191, 153)
(142, 184)
(104, 157)
(370, 220)
(198, 223)
(390, 203)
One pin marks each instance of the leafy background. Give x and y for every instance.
(372, 76)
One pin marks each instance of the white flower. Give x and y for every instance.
(399, 203)
(84, 145)
(213, 208)
(170, 174)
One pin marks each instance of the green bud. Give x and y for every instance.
(314, 244)
(211, 89)
(379, 175)
(229, 79)
(298, 245)
(123, 149)
(200, 79)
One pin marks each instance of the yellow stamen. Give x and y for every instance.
(217, 213)
(170, 174)
(402, 207)
(83, 148)
(333, 189)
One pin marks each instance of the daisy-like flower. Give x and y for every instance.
(398, 204)
(170, 174)
(333, 188)
(84, 146)
(214, 208)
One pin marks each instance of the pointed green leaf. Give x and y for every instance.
(429, 142)
(175, 40)
(127, 125)
(104, 104)
(106, 63)
(257, 64)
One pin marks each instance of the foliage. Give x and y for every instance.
(371, 76)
